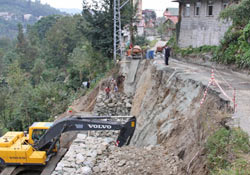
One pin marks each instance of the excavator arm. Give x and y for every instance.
(80, 123)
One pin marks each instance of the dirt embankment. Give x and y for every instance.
(167, 105)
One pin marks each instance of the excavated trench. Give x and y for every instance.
(172, 127)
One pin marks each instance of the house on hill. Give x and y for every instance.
(199, 23)
(171, 14)
(149, 17)
(171, 19)
(6, 15)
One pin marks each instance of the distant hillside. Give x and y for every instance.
(26, 12)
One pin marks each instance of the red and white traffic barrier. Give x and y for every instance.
(214, 82)
(234, 100)
(211, 82)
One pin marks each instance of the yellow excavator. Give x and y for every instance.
(42, 141)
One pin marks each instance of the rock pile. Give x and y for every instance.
(133, 160)
(99, 155)
(82, 156)
(117, 104)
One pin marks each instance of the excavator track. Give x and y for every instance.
(53, 162)
(36, 170)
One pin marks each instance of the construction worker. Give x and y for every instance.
(107, 90)
(167, 54)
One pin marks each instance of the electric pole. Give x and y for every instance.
(118, 28)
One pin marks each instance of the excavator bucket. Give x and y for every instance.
(126, 132)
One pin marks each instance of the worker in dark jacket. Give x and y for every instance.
(88, 84)
(167, 54)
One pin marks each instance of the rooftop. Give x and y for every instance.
(173, 11)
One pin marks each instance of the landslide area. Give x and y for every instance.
(172, 127)
(167, 106)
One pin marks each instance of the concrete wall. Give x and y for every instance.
(140, 30)
(201, 30)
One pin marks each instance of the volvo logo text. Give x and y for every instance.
(99, 126)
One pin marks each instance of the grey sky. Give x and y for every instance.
(158, 5)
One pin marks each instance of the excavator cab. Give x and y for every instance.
(37, 130)
(37, 134)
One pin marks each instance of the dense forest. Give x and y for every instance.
(12, 12)
(41, 72)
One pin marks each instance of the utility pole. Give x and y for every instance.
(115, 29)
(118, 27)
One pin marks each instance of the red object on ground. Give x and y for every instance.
(160, 48)
(70, 110)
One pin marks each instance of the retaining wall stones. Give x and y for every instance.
(117, 104)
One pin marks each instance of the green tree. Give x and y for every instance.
(41, 27)
(238, 13)
(21, 46)
(26, 52)
(88, 62)
(37, 71)
(234, 47)
(16, 77)
(19, 88)
(165, 28)
(97, 24)
(61, 40)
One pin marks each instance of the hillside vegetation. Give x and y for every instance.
(228, 152)
(235, 46)
(25, 12)
(41, 72)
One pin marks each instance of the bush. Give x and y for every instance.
(234, 48)
(224, 150)
(153, 43)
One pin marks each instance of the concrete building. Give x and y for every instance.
(140, 24)
(6, 15)
(138, 3)
(27, 17)
(140, 27)
(199, 23)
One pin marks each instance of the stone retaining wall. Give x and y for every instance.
(117, 104)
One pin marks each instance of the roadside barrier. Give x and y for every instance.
(213, 82)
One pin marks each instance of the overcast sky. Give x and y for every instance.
(158, 5)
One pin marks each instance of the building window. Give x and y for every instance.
(210, 8)
(197, 8)
(187, 10)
